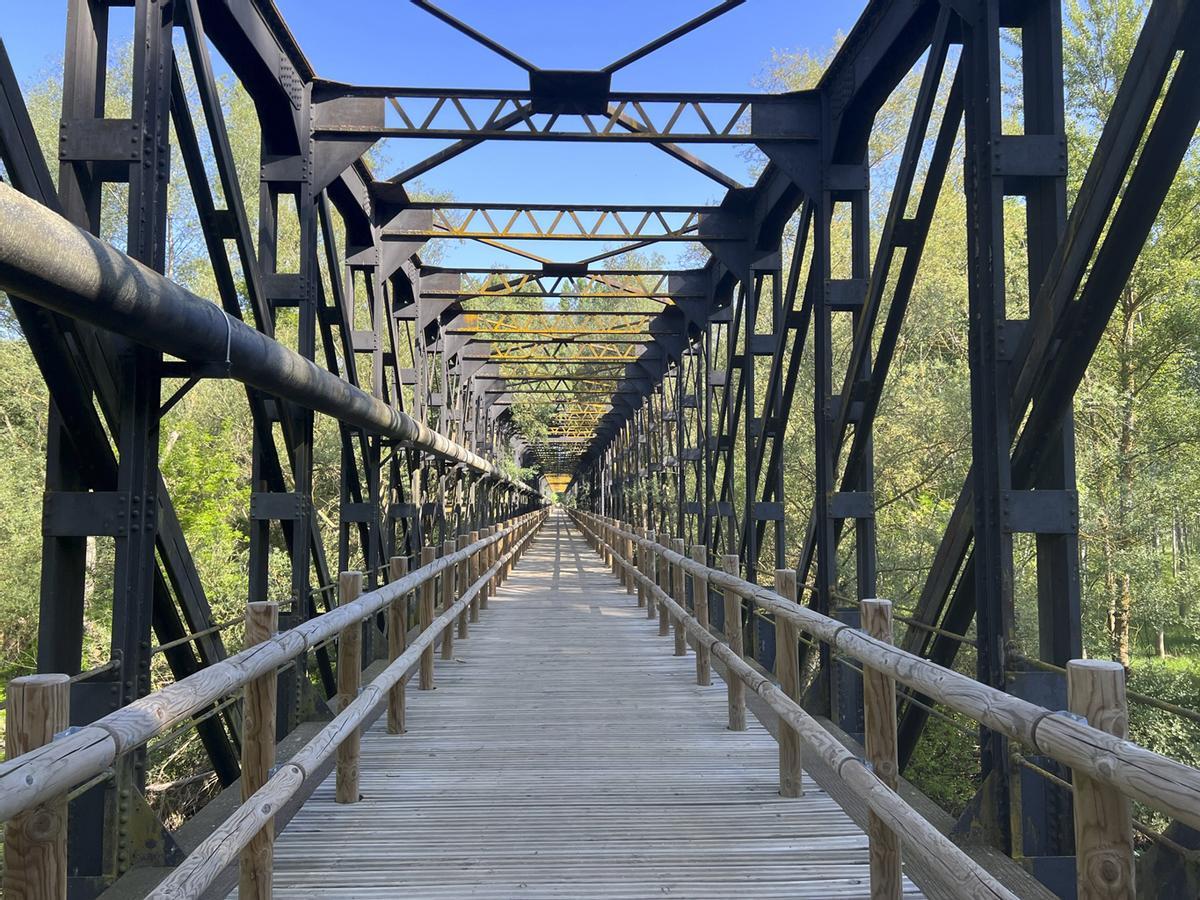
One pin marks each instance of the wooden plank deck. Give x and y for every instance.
(567, 753)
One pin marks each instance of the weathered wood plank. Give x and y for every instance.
(542, 768)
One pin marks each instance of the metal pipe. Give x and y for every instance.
(48, 261)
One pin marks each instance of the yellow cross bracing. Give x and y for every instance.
(558, 481)
(568, 384)
(499, 354)
(636, 327)
(627, 350)
(577, 417)
(577, 424)
(502, 322)
(593, 285)
(581, 430)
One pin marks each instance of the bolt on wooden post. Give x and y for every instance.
(448, 600)
(700, 596)
(1104, 862)
(397, 644)
(349, 682)
(787, 672)
(35, 841)
(258, 753)
(733, 636)
(879, 715)
(680, 596)
(425, 620)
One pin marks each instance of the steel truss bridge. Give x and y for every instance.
(669, 393)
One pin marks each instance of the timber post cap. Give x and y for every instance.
(39, 679)
(262, 605)
(1095, 665)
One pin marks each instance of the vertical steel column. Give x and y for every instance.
(287, 171)
(990, 435)
(825, 545)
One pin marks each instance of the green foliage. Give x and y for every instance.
(23, 414)
(533, 418)
(1137, 432)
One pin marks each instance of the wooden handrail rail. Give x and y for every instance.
(51, 770)
(196, 873)
(1158, 781)
(940, 856)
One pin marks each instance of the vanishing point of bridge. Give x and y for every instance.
(530, 610)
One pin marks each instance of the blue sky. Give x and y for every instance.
(393, 42)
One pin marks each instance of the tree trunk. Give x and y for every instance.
(1125, 474)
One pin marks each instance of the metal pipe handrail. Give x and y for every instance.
(51, 770)
(1165, 784)
(86, 279)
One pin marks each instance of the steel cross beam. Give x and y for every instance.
(563, 281)
(523, 115)
(539, 221)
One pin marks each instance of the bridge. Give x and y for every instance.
(531, 609)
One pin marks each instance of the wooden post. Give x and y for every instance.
(700, 593)
(35, 841)
(397, 643)
(1103, 820)
(639, 563)
(493, 556)
(448, 596)
(787, 671)
(879, 716)
(485, 564)
(463, 574)
(733, 636)
(680, 597)
(630, 582)
(497, 555)
(663, 579)
(349, 680)
(258, 754)
(473, 576)
(425, 619)
(641, 566)
(650, 570)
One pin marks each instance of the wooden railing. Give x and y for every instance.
(1108, 770)
(46, 760)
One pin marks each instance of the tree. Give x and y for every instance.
(1134, 439)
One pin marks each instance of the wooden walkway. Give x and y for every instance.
(567, 753)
